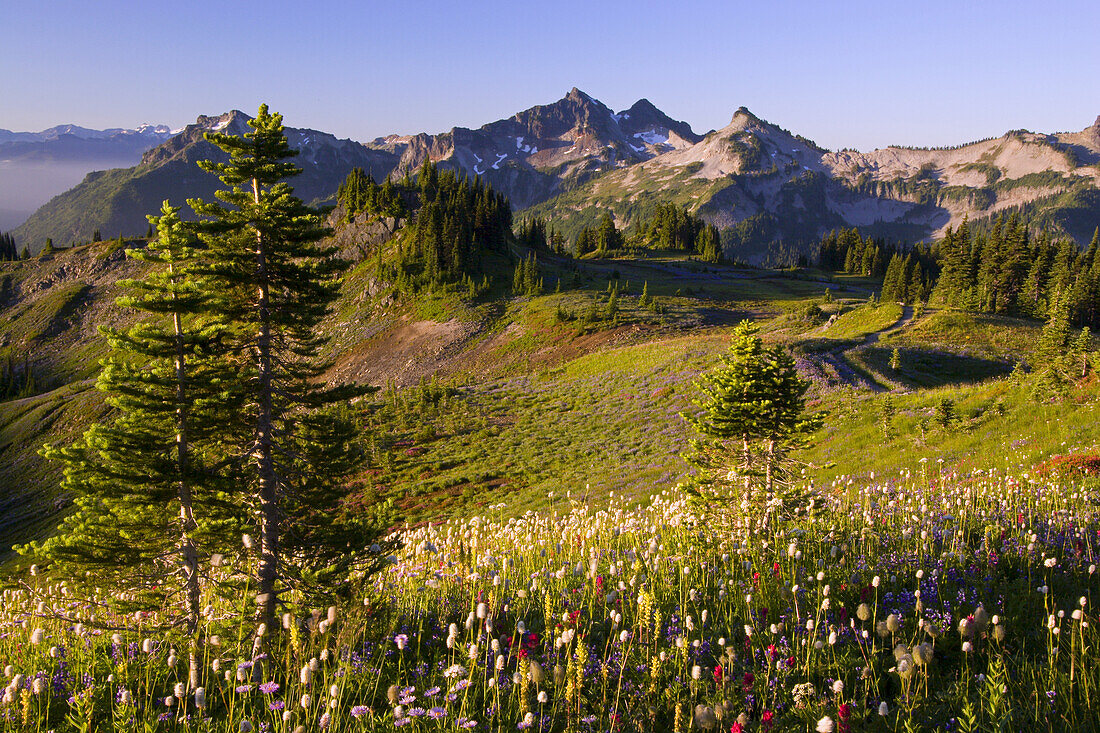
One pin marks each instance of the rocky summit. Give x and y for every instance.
(575, 159)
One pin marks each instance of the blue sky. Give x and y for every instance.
(847, 74)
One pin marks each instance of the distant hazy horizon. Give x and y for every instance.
(859, 74)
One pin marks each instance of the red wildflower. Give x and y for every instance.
(718, 674)
(845, 711)
(748, 679)
(736, 727)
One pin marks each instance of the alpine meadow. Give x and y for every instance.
(580, 421)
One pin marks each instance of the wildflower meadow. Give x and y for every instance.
(925, 600)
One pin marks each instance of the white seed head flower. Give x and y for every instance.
(200, 697)
(306, 675)
(825, 725)
(883, 709)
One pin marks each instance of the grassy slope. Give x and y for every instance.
(554, 393)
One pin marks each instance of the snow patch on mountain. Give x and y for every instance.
(652, 137)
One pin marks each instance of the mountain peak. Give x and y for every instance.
(576, 95)
(744, 115)
(643, 106)
(220, 122)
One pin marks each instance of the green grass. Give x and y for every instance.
(922, 368)
(1000, 423)
(992, 337)
(31, 504)
(863, 320)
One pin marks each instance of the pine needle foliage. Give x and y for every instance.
(277, 279)
(752, 414)
(136, 534)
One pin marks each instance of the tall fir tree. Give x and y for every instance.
(170, 403)
(294, 442)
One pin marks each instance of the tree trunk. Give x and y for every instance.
(746, 463)
(268, 570)
(187, 515)
(769, 464)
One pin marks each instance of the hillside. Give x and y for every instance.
(503, 398)
(116, 201)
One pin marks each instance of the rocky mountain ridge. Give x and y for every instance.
(574, 159)
(760, 183)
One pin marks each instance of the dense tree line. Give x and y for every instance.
(1003, 267)
(360, 193)
(1007, 269)
(8, 252)
(456, 223)
(672, 227)
(536, 234)
(846, 251)
(908, 275)
(603, 237)
(906, 279)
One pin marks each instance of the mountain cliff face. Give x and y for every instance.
(760, 184)
(572, 160)
(552, 148)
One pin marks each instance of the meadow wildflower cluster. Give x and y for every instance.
(922, 601)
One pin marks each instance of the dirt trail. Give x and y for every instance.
(837, 359)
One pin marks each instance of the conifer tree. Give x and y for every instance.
(294, 444)
(170, 400)
(752, 411)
